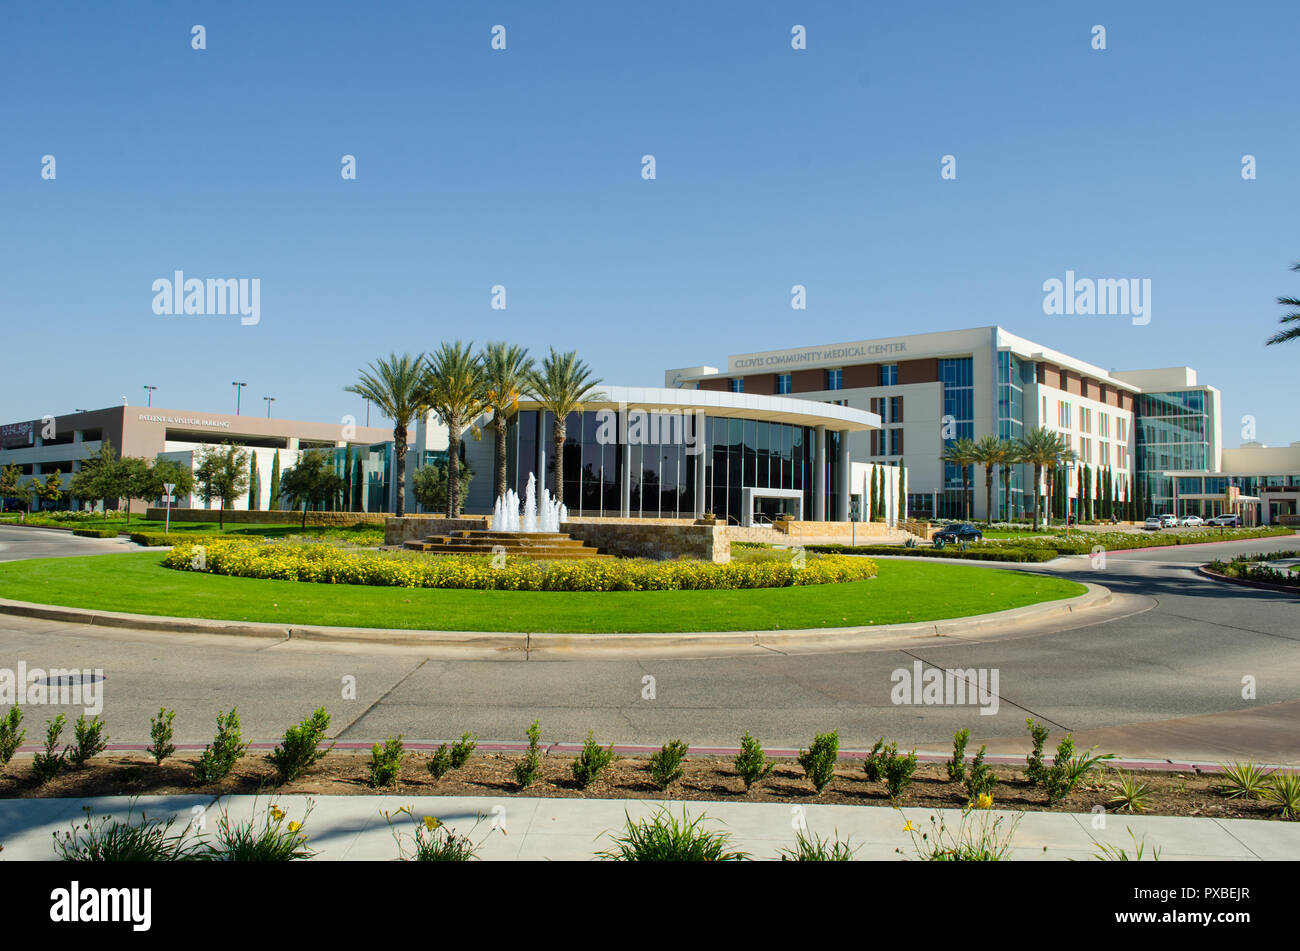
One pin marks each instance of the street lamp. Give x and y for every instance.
(239, 389)
(269, 401)
(367, 411)
(149, 390)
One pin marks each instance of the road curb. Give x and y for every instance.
(1205, 572)
(1095, 597)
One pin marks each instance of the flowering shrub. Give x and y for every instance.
(327, 564)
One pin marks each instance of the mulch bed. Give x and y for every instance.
(705, 778)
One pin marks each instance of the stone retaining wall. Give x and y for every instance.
(271, 517)
(646, 538)
(408, 527)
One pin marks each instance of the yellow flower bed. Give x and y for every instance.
(327, 564)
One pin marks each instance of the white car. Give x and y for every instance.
(1191, 520)
(1153, 524)
(1168, 521)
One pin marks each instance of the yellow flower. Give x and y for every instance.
(277, 813)
(909, 827)
(295, 826)
(984, 801)
(431, 823)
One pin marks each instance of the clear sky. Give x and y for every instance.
(522, 168)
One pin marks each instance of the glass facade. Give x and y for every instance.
(958, 379)
(741, 453)
(1014, 374)
(1172, 432)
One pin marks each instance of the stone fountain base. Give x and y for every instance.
(539, 545)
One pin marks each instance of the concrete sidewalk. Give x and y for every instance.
(523, 828)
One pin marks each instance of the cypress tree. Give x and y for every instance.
(253, 487)
(274, 502)
(347, 481)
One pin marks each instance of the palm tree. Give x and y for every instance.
(1291, 333)
(506, 369)
(989, 452)
(396, 385)
(1011, 456)
(562, 385)
(458, 394)
(962, 453)
(1040, 448)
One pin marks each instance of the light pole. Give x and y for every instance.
(239, 389)
(367, 412)
(269, 401)
(149, 390)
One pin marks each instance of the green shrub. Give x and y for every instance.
(1284, 791)
(666, 765)
(100, 839)
(980, 779)
(529, 767)
(751, 762)
(1034, 769)
(957, 765)
(662, 838)
(88, 740)
(813, 848)
(1243, 780)
(1133, 794)
(160, 732)
(439, 763)
(50, 763)
(271, 840)
(898, 771)
(874, 764)
(592, 761)
(300, 748)
(11, 736)
(219, 757)
(95, 532)
(462, 749)
(818, 761)
(1067, 769)
(386, 762)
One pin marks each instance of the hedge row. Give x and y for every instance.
(326, 564)
(980, 553)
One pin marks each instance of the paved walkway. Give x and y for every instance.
(521, 828)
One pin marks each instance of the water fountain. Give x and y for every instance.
(544, 515)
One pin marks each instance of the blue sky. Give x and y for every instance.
(522, 168)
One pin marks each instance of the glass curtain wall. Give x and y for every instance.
(1172, 432)
(958, 378)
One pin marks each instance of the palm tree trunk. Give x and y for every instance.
(988, 494)
(1038, 481)
(499, 483)
(453, 467)
(399, 448)
(557, 464)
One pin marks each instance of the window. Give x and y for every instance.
(1085, 419)
(834, 379)
(896, 442)
(889, 374)
(1063, 414)
(1085, 450)
(895, 409)
(738, 384)
(782, 383)
(1103, 422)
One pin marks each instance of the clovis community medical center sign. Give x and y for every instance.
(815, 356)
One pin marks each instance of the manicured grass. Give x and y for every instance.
(362, 533)
(904, 591)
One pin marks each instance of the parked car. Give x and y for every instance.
(964, 532)
(1191, 520)
(1153, 524)
(1231, 521)
(1168, 521)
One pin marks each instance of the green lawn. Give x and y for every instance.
(904, 591)
(363, 534)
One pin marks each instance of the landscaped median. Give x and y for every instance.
(901, 593)
(1045, 548)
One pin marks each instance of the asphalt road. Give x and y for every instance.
(1159, 672)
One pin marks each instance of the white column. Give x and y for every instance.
(625, 480)
(842, 505)
(701, 463)
(819, 477)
